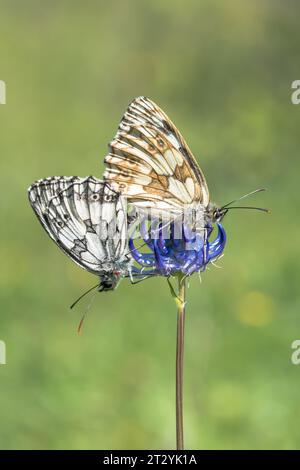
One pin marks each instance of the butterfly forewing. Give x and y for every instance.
(85, 217)
(151, 164)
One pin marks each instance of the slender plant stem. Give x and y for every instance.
(179, 363)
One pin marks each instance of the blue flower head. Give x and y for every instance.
(178, 251)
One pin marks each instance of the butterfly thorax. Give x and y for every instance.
(199, 216)
(114, 271)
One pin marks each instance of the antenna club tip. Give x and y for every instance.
(79, 328)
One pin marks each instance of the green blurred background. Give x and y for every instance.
(223, 73)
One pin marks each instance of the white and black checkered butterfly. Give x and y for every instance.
(87, 220)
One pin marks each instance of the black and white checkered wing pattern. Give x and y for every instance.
(85, 217)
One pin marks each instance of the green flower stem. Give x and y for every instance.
(179, 362)
(180, 302)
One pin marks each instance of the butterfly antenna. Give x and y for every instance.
(250, 207)
(79, 328)
(85, 293)
(243, 197)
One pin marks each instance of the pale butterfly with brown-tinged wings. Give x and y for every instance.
(150, 163)
(87, 219)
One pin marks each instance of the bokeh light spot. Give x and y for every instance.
(255, 308)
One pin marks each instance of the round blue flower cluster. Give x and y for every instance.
(173, 254)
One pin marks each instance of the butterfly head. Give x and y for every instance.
(215, 213)
(109, 281)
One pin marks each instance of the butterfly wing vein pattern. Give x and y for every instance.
(85, 217)
(151, 164)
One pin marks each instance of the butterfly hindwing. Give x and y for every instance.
(151, 164)
(85, 217)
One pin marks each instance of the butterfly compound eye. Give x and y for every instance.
(216, 215)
